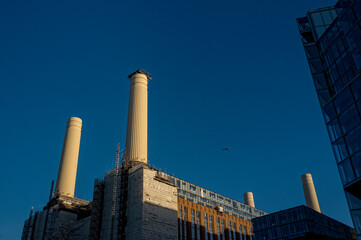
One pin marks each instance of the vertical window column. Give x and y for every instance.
(206, 226)
(193, 228)
(198, 225)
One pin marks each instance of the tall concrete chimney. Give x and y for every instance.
(310, 192)
(65, 184)
(136, 146)
(248, 199)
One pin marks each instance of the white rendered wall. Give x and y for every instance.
(152, 207)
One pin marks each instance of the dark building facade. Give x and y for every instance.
(332, 40)
(299, 223)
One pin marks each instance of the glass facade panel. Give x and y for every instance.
(317, 19)
(343, 100)
(353, 140)
(346, 171)
(329, 112)
(349, 119)
(356, 88)
(356, 163)
(340, 150)
(334, 130)
(339, 49)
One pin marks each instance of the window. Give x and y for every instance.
(229, 230)
(356, 162)
(353, 140)
(204, 193)
(343, 100)
(212, 195)
(206, 225)
(317, 19)
(339, 149)
(185, 222)
(329, 112)
(198, 225)
(193, 229)
(349, 119)
(220, 199)
(334, 130)
(219, 229)
(192, 188)
(346, 171)
(184, 186)
(240, 231)
(211, 226)
(180, 222)
(178, 183)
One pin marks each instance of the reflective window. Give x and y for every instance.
(327, 17)
(349, 119)
(346, 171)
(329, 111)
(353, 140)
(184, 186)
(317, 19)
(220, 199)
(356, 162)
(343, 100)
(334, 130)
(356, 87)
(311, 51)
(339, 149)
(356, 217)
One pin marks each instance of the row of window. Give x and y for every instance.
(247, 215)
(298, 221)
(220, 233)
(198, 194)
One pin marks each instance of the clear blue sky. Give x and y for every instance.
(225, 74)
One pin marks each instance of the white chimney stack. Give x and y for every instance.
(136, 147)
(248, 199)
(310, 192)
(65, 184)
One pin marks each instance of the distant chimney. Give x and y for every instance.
(136, 146)
(310, 192)
(248, 199)
(65, 184)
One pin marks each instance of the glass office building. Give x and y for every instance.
(299, 223)
(332, 41)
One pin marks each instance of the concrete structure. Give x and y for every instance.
(248, 199)
(135, 201)
(136, 148)
(332, 43)
(65, 184)
(310, 192)
(64, 217)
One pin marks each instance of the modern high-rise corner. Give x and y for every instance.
(331, 38)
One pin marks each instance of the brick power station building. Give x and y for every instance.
(135, 201)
